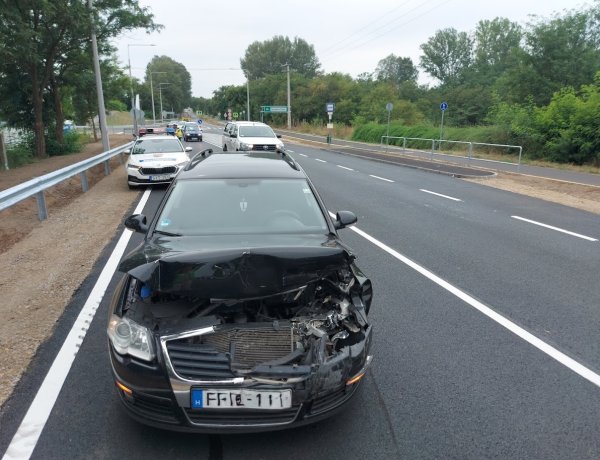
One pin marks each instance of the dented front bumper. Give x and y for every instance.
(156, 394)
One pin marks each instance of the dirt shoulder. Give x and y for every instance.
(43, 263)
(584, 197)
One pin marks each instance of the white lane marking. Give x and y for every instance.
(487, 311)
(439, 194)
(302, 155)
(290, 151)
(381, 178)
(554, 228)
(322, 161)
(344, 167)
(25, 439)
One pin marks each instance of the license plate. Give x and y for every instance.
(241, 399)
(158, 178)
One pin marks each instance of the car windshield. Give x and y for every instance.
(149, 145)
(241, 206)
(256, 131)
(191, 128)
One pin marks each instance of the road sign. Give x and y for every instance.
(389, 106)
(199, 121)
(330, 107)
(274, 108)
(443, 106)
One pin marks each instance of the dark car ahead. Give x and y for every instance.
(192, 131)
(240, 311)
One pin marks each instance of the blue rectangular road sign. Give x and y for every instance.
(330, 107)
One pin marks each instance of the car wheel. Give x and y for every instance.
(199, 139)
(224, 148)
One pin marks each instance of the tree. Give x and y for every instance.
(36, 37)
(495, 44)
(268, 57)
(447, 55)
(178, 94)
(396, 69)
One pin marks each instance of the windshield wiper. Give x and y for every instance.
(162, 232)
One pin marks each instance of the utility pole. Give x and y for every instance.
(101, 109)
(248, 97)
(289, 104)
(160, 85)
(133, 109)
(152, 93)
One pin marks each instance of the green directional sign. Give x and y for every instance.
(274, 108)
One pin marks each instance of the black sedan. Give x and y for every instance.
(191, 131)
(242, 312)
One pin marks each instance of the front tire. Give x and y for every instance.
(224, 148)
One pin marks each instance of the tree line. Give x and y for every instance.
(536, 84)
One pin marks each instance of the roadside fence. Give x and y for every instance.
(468, 150)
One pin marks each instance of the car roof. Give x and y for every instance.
(243, 166)
(248, 123)
(155, 137)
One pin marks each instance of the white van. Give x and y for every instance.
(250, 135)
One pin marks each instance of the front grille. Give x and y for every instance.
(245, 417)
(150, 407)
(253, 345)
(165, 170)
(196, 361)
(260, 147)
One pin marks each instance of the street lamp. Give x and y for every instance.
(160, 85)
(289, 105)
(135, 126)
(152, 93)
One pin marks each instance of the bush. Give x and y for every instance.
(72, 144)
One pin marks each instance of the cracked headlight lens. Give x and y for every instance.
(129, 338)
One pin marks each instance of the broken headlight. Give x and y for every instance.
(129, 338)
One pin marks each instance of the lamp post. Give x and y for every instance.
(289, 105)
(152, 93)
(135, 126)
(160, 85)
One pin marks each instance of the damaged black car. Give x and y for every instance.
(241, 310)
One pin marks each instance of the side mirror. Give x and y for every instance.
(233, 135)
(188, 149)
(137, 223)
(344, 219)
(278, 136)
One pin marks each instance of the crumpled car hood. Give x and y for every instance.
(168, 265)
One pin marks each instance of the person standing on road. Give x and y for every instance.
(179, 133)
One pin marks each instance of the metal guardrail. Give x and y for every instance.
(35, 187)
(470, 145)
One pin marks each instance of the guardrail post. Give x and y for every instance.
(520, 154)
(84, 182)
(432, 147)
(404, 145)
(106, 168)
(41, 202)
(3, 151)
(470, 150)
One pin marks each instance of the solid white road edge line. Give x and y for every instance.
(439, 194)
(344, 167)
(322, 161)
(302, 155)
(487, 311)
(381, 178)
(25, 439)
(554, 228)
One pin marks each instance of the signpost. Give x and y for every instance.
(389, 106)
(329, 108)
(443, 108)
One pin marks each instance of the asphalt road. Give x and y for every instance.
(450, 379)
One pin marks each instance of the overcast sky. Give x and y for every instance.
(349, 36)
